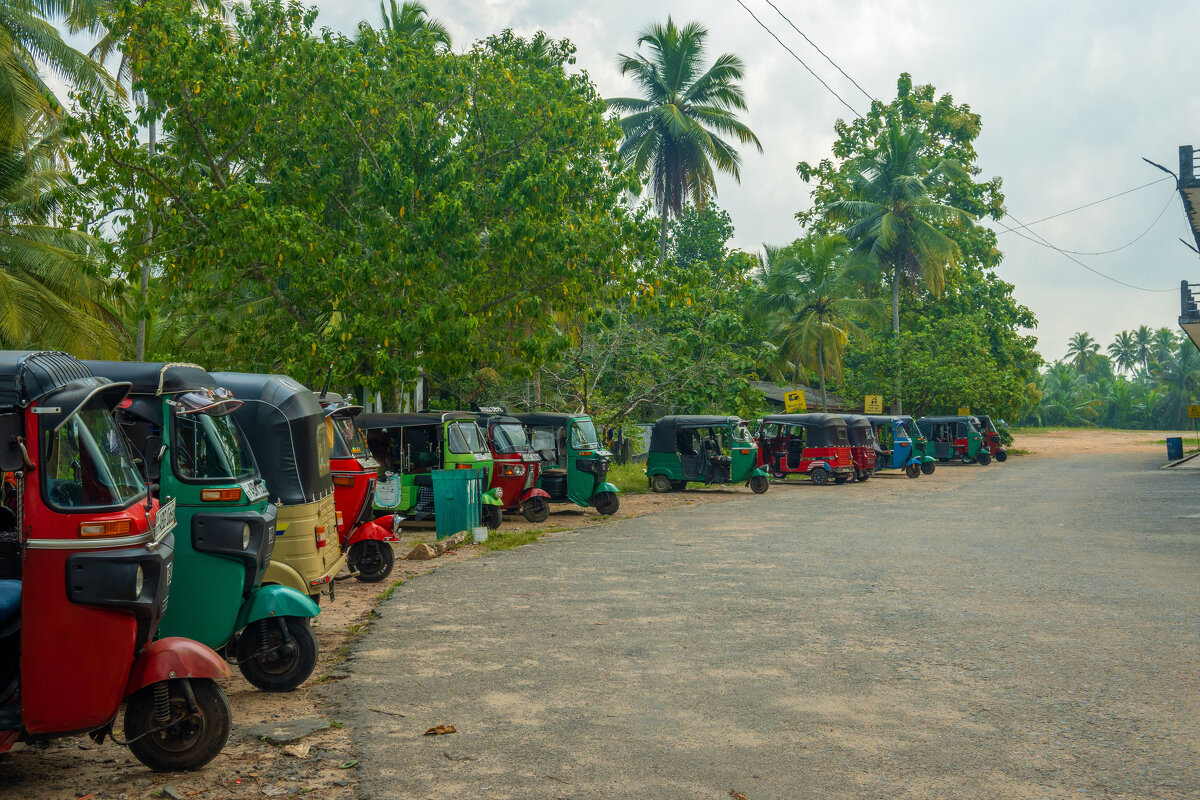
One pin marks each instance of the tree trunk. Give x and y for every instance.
(897, 404)
(662, 239)
(145, 295)
(821, 369)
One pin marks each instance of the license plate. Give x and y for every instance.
(164, 523)
(254, 490)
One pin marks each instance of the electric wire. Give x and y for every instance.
(1096, 202)
(869, 96)
(1140, 236)
(798, 58)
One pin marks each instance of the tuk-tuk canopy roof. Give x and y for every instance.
(827, 424)
(882, 419)
(663, 434)
(378, 421)
(860, 430)
(948, 418)
(26, 375)
(154, 378)
(286, 428)
(547, 419)
(336, 405)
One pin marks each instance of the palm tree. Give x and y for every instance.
(410, 22)
(51, 291)
(893, 218)
(1067, 399)
(1179, 380)
(673, 133)
(1082, 350)
(1124, 352)
(1143, 340)
(811, 303)
(1163, 345)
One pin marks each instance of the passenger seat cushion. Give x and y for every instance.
(10, 601)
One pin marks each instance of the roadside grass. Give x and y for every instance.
(629, 478)
(514, 539)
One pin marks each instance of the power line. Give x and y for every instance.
(798, 58)
(1076, 260)
(1095, 203)
(819, 50)
(1170, 200)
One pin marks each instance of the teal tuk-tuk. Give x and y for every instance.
(895, 448)
(574, 463)
(181, 422)
(687, 449)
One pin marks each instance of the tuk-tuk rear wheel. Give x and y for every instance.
(840, 479)
(661, 483)
(371, 560)
(863, 475)
(536, 509)
(1002, 456)
(269, 662)
(915, 470)
(491, 516)
(759, 484)
(928, 468)
(607, 503)
(819, 476)
(190, 740)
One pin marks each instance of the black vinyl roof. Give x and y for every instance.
(377, 421)
(948, 418)
(26, 375)
(547, 419)
(663, 434)
(881, 419)
(820, 420)
(859, 429)
(156, 378)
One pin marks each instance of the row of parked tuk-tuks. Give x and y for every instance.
(159, 522)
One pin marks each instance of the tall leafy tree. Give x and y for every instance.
(1143, 341)
(674, 133)
(1124, 352)
(410, 22)
(1178, 374)
(1083, 351)
(1067, 398)
(892, 217)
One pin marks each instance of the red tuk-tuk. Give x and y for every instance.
(85, 565)
(366, 540)
(815, 445)
(862, 445)
(515, 466)
(992, 438)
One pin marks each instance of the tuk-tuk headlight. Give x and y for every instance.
(139, 581)
(512, 470)
(499, 493)
(245, 536)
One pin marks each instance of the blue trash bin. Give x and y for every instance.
(456, 500)
(1174, 448)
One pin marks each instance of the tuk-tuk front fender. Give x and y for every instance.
(928, 459)
(532, 493)
(276, 601)
(819, 465)
(757, 472)
(174, 657)
(601, 488)
(374, 530)
(489, 498)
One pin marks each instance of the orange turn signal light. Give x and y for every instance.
(343, 480)
(464, 466)
(321, 540)
(221, 495)
(113, 527)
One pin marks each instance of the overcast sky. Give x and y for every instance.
(1072, 95)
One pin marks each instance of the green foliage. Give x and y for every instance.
(629, 478)
(389, 207)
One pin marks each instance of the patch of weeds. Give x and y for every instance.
(1018, 452)
(333, 723)
(629, 478)
(509, 541)
(387, 593)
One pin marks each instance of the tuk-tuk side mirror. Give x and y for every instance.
(12, 427)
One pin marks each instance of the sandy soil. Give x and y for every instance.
(322, 764)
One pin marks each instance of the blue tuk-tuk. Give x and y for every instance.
(894, 446)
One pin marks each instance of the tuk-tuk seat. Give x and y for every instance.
(10, 606)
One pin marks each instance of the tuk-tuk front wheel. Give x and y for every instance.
(270, 661)
(607, 503)
(985, 457)
(915, 470)
(491, 516)
(536, 509)
(819, 476)
(371, 560)
(862, 475)
(759, 484)
(840, 479)
(927, 468)
(1002, 456)
(661, 483)
(188, 738)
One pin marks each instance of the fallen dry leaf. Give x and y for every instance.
(298, 750)
(737, 795)
(440, 730)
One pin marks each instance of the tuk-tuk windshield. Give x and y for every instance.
(741, 433)
(509, 438)
(583, 434)
(209, 447)
(86, 464)
(465, 437)
(347, 441)
(901, 431)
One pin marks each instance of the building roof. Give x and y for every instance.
(812, 397)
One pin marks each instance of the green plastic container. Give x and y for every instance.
(456, 503)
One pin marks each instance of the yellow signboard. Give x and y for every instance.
(794, 402)
(1193, 412)
(963, 411)
(873, 404)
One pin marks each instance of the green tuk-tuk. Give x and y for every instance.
(574, 463)
(181, 422)
(956, 438)
(409, 447)
(703, 449)
(921, 446)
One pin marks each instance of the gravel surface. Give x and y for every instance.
(1025, 630)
